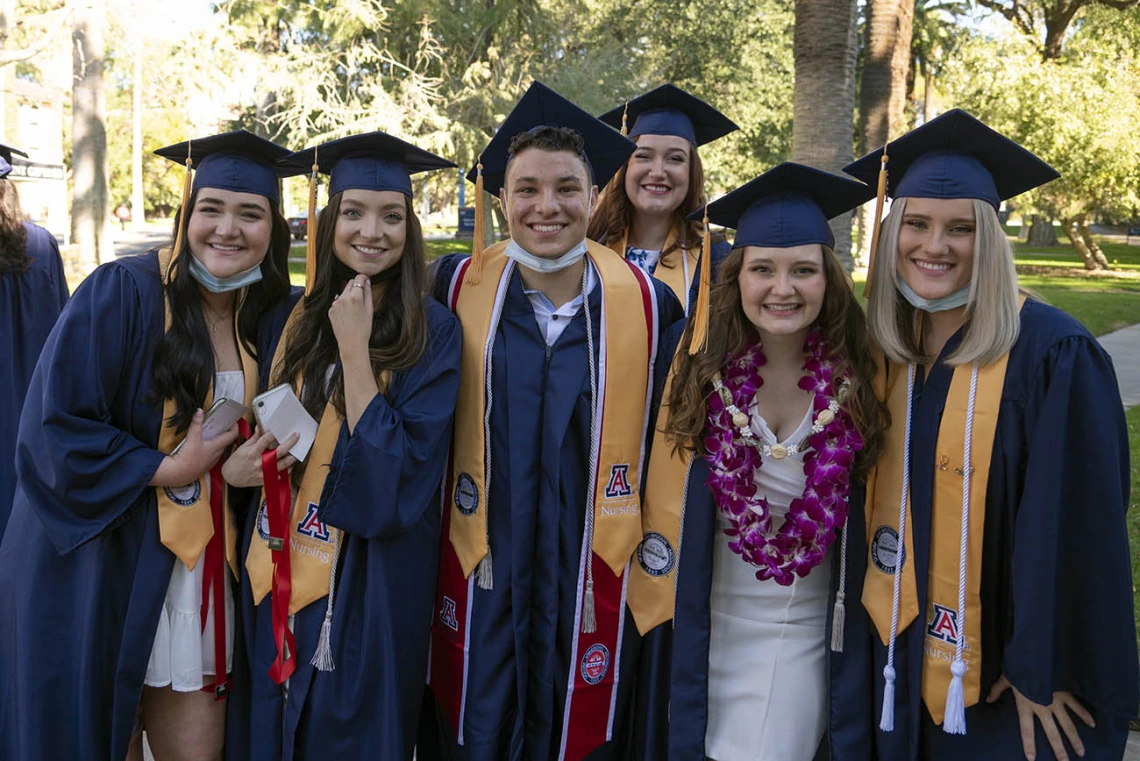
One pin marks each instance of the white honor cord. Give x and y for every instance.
(688, 283)
(887, 722)
(589, 617)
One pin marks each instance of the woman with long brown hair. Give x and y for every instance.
(642, 213)
(340, 557)
(32, 294)
(766, 421)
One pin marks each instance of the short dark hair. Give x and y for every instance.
(553, 139)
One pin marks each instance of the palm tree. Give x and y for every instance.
(823, 112)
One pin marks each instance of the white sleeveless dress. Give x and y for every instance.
(767, 655)
(183, 653)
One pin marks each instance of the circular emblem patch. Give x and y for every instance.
(885, 550)
(263, 522)
(655, 554)
(595, 663)
(466, 495)
(184, 496)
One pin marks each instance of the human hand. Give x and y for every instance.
(243, 468)
(195, 456)
(1050, 716)
(351, 316)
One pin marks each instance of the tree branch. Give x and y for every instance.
(15, 56)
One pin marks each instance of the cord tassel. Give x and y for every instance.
(322, 658)
(887, 722)
(624, 120)
(475, 271)
(484, 572)
(955, 721)
(184, 211)
(589, 616)
(880, 200)
(839, 612)
(700, 315)
(311, 241)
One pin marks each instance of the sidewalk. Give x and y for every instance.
(1124, 347)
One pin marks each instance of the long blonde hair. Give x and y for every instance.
(993, 321)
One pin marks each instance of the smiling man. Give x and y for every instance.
(532, 657)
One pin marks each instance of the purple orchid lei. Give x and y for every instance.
(810, 525)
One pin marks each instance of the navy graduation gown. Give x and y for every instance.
(85, 571)
(30, 303)
(1056, 586)
(382, 490)
(522, 630)
(718, 251)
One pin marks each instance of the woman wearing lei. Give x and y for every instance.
(765, 424)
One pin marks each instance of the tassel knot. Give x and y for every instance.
(887, 722)
(954, 722)
(589, 616)
(484, 572)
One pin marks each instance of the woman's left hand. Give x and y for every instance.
(351, 316)
(1050, 716)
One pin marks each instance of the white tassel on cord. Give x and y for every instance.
(887, 722)
(484, 572)
(589, 616)
(954, 722)
(322, 658)
(839, 612)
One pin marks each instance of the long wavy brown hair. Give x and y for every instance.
(13, 235)
(399, 323)
(614, 214)
(843, 325)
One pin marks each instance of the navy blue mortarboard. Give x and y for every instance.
(372, 161)
(787, 206)
(669, 110)
(6, 159)
(239, 161)
(955, 156)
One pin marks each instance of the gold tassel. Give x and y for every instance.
(311, 241)
(475, 271)
(624, 122)
(700, 316)
(184, 212)
(879, 201)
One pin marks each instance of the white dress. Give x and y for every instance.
(767, 697)
(183, 652)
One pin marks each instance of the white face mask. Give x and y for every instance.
(213, 284)
(946, 303)
(541, 264)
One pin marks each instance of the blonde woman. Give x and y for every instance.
(997, 621)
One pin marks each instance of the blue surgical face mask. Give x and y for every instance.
(541, 264)
(213, 284)
(956, 299)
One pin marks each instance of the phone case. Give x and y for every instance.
(221, 417)
(281, 413)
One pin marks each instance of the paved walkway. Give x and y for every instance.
(1124, 348)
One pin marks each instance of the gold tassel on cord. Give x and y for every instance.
(311, 242)
(700, 316)
(184, 212)
(475, 271)
(624, 117)
(879, 201)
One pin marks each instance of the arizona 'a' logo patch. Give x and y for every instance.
(618, 485)
(943, 624)
(312, 526)
(447, 614)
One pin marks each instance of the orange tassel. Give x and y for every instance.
(475, 271)
(184, 212)
(311, 241)
(700, 316)
(624, 123)
(879, 201)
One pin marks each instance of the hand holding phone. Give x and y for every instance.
(280, 412)
(221, 417)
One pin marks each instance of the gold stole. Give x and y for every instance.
(625, 375)
(883, 493)
(673, 275)
(185, 522)
(311, 540)
(653, 578)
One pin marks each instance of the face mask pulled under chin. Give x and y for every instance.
(956, 299)
(213, 284)
(543, 264)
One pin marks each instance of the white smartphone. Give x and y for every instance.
(281, 413)
(219, 419)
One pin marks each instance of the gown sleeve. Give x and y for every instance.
(78, 467)
(395, 459)
(1072, 623)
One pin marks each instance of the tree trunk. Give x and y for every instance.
(1094, 248)
(137, 200)
(89, 218)
(1041, 232)
(1073, 229)
(884, 87)
(824, 96)
(490, 212)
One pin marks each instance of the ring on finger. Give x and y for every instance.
(358, 285)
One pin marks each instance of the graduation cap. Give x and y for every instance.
(606, 150)
(952, 156)
(372, 161)
(669, 110)
(787, 206)
(239, 161)
(6, 159)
